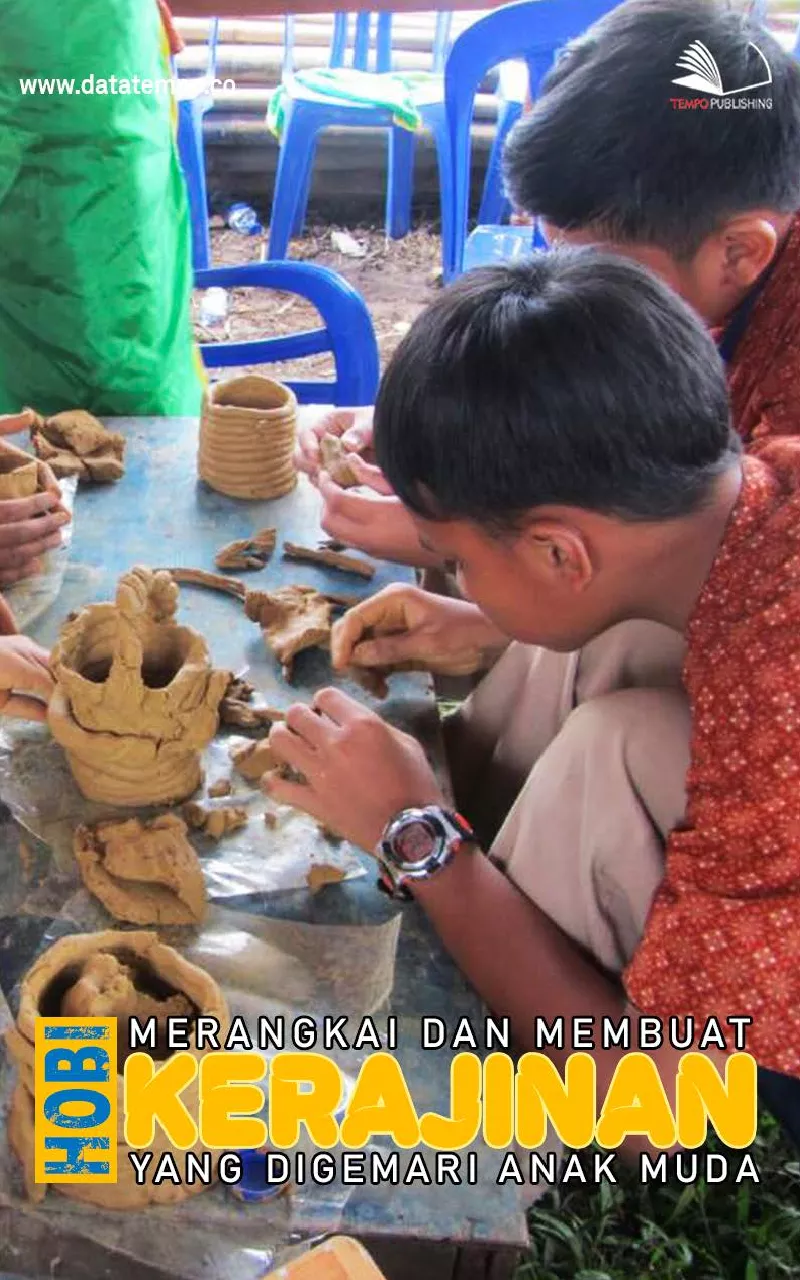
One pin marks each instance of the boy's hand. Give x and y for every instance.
(370, 522)
(407, 628)
(354, 426)
(29, 526)
(25, 680)
(359, 772)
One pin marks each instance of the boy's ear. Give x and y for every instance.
(749, 243)
(561, 551)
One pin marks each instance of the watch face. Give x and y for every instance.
(415, 842)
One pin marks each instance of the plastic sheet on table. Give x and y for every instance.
(273, 968)
(31, 598)
(38, 787)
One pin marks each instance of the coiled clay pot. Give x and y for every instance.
(247, 438)
(136, 697)
(110, 974)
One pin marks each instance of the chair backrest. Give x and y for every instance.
(364, 41)
(210, 71)
(347, 330)
(534, 30)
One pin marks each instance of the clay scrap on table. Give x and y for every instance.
(75, 443)
(143, 873)
(253, 759)
(321, 873)
(136, 697)
(335, 460)
(202, 578)
(292, 619)
(222, 787)
(248, 553)
(332, 559)
(119, 975)
(237, 710)
(215, 823)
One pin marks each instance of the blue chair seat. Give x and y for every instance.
(306, 113)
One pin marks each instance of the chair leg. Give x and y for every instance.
(301, 213)
(436, 120)
(192, 157)
(294, 162)
(399, 182)
(494, 205)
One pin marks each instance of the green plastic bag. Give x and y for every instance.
(95, 258)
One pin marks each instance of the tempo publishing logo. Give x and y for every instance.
(705, 77)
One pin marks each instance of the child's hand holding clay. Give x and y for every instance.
(25, 680)
(405, 628)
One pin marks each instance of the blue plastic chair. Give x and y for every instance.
(512, 91)
(195, 98)
(308, 113)
(346, 330)
(531, 29)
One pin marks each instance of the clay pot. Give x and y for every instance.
(159, 974)
(18, 479)
(247, 438)
(136, 697)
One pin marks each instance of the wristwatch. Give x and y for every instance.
(416, 845)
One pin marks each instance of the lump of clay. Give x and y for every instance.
(75, 443)
(145, 873)
(332, 559)
(292, 619)
(136, 697)
(237, 707)
(253, 759)
(107, 989)
(215, 823)
(111, 974)
(248, 553)
(335, 460)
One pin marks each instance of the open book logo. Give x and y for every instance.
(705, 75)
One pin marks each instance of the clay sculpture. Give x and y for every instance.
(111, 974)
(145, 873)
(215, 823)
(136, 698)
(335, 460)
(252, 759)
(333, 559)
(247, 438)
(247, 553)
(75, 443)
(292, 619)
(237, 710)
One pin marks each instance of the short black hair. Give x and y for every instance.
(575, 378)
(604, 146)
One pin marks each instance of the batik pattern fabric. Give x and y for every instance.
(723, 934)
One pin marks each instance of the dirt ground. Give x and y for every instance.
(396, 278)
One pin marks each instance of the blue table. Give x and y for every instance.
(160, 514)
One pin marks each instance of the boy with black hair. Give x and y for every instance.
(705, 197)
(560, 429)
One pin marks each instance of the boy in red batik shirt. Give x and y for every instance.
(651, 860)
